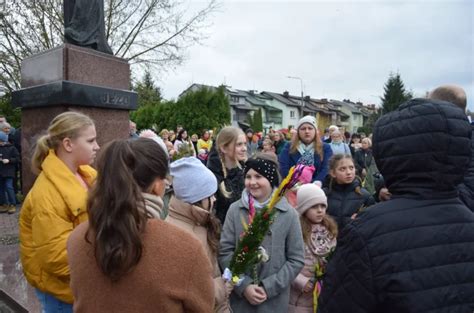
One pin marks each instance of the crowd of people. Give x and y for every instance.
(379, 223)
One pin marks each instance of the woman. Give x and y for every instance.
(125, 258)
(306, 148)
(279, 141)
(183, 144)
(55, 205)
(365, 164)
(226, 162)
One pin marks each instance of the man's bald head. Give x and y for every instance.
(450, 93)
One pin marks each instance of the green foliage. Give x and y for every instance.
(148, 93)
(394, 93)
(256, 121)
(12, 115)
(202, 109)
(369, 124)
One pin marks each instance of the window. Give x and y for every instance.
(292, 114)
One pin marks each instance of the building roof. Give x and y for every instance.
(282, 98)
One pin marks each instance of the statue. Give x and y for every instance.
(84, 24)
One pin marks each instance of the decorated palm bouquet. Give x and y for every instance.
(249, 251)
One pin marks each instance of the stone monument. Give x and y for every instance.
(80, 78)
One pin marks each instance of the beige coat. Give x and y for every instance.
(192, 218)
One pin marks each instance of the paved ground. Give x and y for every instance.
(12, 281)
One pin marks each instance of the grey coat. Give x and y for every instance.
(284, 245)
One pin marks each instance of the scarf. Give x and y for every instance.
(153, 206)
(307, 154)
(252, 204)
(321, 241)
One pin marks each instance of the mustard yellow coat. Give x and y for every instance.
(55, 205)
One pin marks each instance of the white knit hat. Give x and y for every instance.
(309, 195)
(192, 181)
(307, 119)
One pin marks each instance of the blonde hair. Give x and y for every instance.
(368, 141)
(333, 163)
(65, 125)
(226, 137)
(318, 145)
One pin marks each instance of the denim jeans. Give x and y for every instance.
(6, 188)
(50, 304)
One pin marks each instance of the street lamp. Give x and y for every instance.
(302, 99)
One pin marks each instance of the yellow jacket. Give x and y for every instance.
(55, 205)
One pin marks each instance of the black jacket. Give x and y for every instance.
(344, 201)
(8, 151)
(362, 159)
(466, 188)
(415, 252)
(234, 183)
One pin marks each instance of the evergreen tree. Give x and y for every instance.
(256, 121)
(394, 93)
(148, 93)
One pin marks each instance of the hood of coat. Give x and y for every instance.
(423, 147)
(187, 212)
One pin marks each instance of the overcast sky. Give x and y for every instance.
(340, 49)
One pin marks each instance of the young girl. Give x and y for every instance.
(226, 162)
(306, 148)
(319, 235)
(183, 140)
(190, 208)
(269, 292)
(345, 195)
(55, 205)
(125, 259)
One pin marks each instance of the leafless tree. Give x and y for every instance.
(152, 33)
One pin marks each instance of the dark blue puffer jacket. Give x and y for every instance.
(415, 252)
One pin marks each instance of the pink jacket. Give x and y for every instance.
(320, 245)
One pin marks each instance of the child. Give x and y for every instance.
(226, 162)
(345, 195)
(319, 235)
(268, 147)
(55, 205)
(125, 258)
(190, 209)
(9, 157)
(270, 290)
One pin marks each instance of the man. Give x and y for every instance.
(132, 130)
(457, 96)
(414, 252)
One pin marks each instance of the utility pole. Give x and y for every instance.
(302, 98)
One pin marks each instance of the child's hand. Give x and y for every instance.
(5, 161)
(228, 288)
(308, 287)
(255, 295)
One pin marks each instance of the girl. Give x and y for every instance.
(191, 209)
(125, 259)
(226, 162)
(306, 148)
(319, 235)
(268, 147)
(55, 205)
(269, 292)
(345, 195)
(355, 144)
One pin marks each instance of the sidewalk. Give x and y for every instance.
(12, 281)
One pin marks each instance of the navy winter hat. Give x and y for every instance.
(192, 181)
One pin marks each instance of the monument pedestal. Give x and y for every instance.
(72, 78)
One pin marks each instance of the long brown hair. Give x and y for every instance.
(116, 206)
(327, 222)
(333, 162)
(318, 144)
(213, 227)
